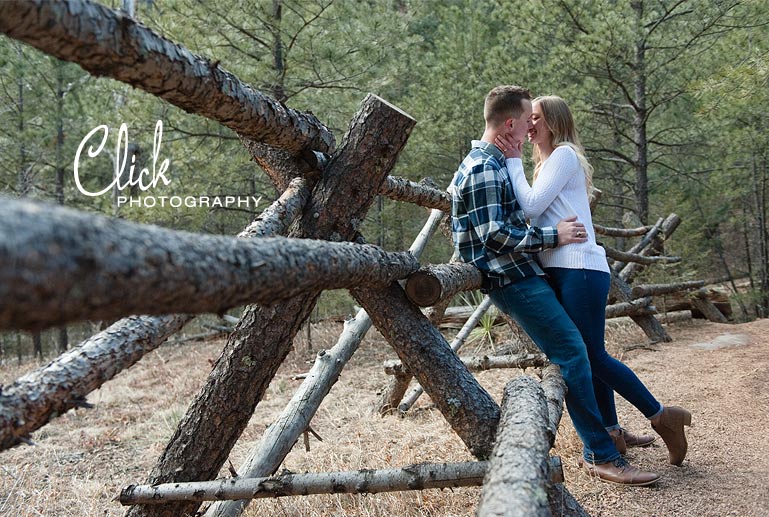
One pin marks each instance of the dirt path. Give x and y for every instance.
(721, 374)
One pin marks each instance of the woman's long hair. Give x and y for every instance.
(559, 121)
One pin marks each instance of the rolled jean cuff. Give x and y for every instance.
(658, 413)
(614, 427)
(590, 458)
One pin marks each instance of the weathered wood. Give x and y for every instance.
(413, 477)
(620, 291)
(481, 363)
(554, 388)
(708, 309)
(643, 243)
(636, 306)
(436, 282)
(654, 247)
(456, 316)
(123, 49)
(638, 258)
(516, 482)
(621, 232)
(413, 395)
(563, 504)
(56, 388)
(59, 265)
(684, 301)
(426, 195)
(32, 400)
(465, 405)
(264, 336)
(276, 218)
(659, 289)
(279, 438)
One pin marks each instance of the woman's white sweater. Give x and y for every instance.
(559, 192)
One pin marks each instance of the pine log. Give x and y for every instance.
(59, 265)
(456, 316)
(654, 247)
(638, 258)
(627, 308)
(554, 389)
(401, 189)
(393, 393)
(413, 477)
(279, 438)
(620, 291)
(517, 479)
(264, 336)
(643, 243)
(708, 309)
(660, 289)
(413, 395)
(465, 405)
(436, 282)
(621, 232)
(33, 400)
(122, 48)
(685, 301)
(276, 218)
(481, 363)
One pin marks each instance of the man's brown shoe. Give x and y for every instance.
(618, 436)
(620, 472)
(670, 426)
(637, 440)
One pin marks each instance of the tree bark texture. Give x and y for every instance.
(413, 395)
(516, 482)
(59, 265)
(482, 363)
(276, 218)
(413, 477)
(264, 336)
(32, 400)
(554, 389)
(279, 438)
(467, 407)
(401, 189)
(660, 289)
(639, 305)
(106, 42)
(436, 282)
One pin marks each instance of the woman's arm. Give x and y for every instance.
(559, 168)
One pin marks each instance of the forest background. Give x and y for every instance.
(671, 98)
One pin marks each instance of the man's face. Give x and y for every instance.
(518, 127)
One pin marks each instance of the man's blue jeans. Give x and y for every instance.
(583, 293)
(533, 304)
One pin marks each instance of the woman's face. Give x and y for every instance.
(539, 133)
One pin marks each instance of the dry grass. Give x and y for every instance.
(84, 457)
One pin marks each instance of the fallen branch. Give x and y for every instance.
(627, 308)
(482, 363)
(433, 283)
(621, 232)
(412, 477)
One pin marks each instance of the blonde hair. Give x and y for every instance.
(557, 117)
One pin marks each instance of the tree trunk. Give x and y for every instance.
(413, 477)
(123, 49)
(264, 336)
(456, 344)
(60, 265)
(467, 407)
(433, 283)
(32, 400)
(516, 482)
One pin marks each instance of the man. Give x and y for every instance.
(491, 233)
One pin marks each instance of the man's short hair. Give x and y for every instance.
(504, 102)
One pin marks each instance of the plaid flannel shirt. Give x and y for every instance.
(488, 224)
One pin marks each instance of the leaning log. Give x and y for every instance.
(462, 401)
(413, 395)
(554, 388)
(637, 258)
(276, 218)
(436, 282)
(413, 477)
(58, 265)
(32, 400)
(52, 390)
(401, 189)
(654, 247)
(643, 243)
(278, 440)
(264, 336)
(620, 291)
(123, 49)
(482, 363)
(702, 297)
(517, 479)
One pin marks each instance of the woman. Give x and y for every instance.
(579, 273)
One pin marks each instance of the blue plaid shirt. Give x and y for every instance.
(488, 224)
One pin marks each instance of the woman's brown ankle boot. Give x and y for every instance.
(670, 426)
